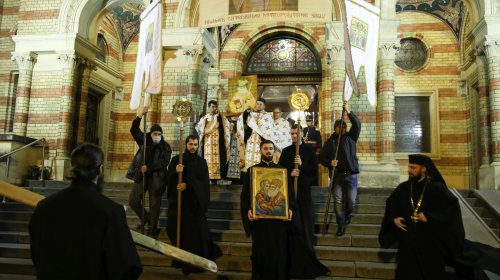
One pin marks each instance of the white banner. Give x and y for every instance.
(149, 55)
(224, 12)
(363, 24)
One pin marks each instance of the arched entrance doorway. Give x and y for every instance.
(285, 64)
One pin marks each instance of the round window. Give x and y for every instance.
(412, 55)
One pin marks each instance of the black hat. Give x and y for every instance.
(156, 127)
(426, 161)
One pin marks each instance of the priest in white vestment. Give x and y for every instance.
(252, 127)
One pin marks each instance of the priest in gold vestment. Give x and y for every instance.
(214, 132)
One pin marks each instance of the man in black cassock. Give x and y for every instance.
(278, 252)
(424, 218)
(308, 167)
(195, 187)
(77, 233)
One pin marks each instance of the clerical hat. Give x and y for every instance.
(426, 161)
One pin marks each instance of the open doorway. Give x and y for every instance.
(277, 96)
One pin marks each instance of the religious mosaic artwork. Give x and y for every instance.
(127, 19)
(358, 33)
(249, 6)
(242, 94)
(269, 193)
(450, 11)
(412, 54)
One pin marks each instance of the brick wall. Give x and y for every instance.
(439, 75)
(8, 22)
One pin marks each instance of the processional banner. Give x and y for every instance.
(148, 73)
(224, 12)
(363, 29)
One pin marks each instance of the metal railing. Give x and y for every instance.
(7, 155)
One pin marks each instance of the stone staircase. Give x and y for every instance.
(356, 255)
(487, 214)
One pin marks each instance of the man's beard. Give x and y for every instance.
(414, 178)
(272, 192)
(266, 158)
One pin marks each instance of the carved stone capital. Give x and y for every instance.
(492, 47)
(213, 91)
(25, 61)
(192, 54)
(387, 50)
(336, 52)
(68, 60)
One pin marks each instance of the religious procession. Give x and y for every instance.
(238, 140)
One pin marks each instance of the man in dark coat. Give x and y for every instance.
(158, 153)
(77, 233)
(308, 167)
(195, 188)
(278, 252)
(424, 217)
(345, 182)
(312, 136)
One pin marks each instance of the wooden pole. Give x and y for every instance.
(297, 153)
(179, 192)
(144, 141)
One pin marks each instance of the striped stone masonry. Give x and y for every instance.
(25, 62)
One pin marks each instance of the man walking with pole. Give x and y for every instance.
(339, 155)
(150, 166)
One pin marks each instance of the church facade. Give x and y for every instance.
(67, 70)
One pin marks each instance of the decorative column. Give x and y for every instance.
(69, 63)
(331, 106)
(385, 170)
(386, 123)
(88, 67)
(25, 62)
(492, 51)
(193, 84)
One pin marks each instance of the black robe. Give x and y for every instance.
(304, 214)
(195, 232)
(77, 233)
(425, 247)
(278, 252)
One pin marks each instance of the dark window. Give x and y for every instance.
(103, 48)
(413, 125)
(283, 55)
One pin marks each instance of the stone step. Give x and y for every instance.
(14, 237)
(6, 225)
(243, 264)
(16, 215)
(17, 266)
(17, 277)
(11, 250)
